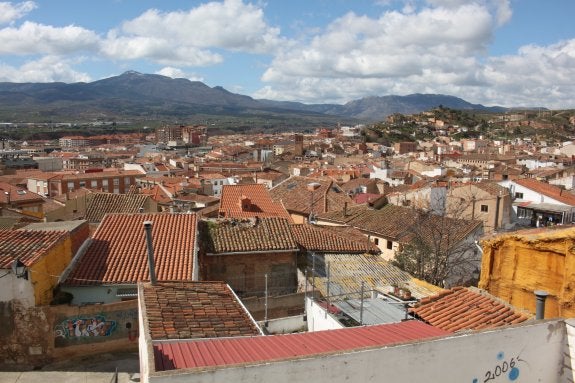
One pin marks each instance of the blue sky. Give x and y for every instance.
(494, 52)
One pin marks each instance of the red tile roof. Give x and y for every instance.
(118, 252)
(27, 245)
(296, 196)
(187, 310)
(398, 223)
(254, 350)
(260, 203)
(462, 308)
(255, 235)
(548, 190)
(98, 204)
(15, 195)
(329, 239)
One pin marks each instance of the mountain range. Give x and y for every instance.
(138, 95)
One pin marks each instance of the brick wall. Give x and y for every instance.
(245, 273)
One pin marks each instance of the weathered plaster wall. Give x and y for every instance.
(34, 336)
(45, 272)
(515, 265)
(525, 353)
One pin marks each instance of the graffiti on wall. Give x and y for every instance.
(96, 327)
(83, 327)
(505, 368)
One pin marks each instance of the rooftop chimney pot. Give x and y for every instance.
(540, 304)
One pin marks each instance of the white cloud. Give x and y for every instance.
(46, 69)
(427, 49)
(33, 38)
(10, 11)
(178, 73)
(542, 73)
(230, 25)
(434, 46)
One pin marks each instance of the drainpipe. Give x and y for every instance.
(540, 304)
(495, 226)
(148, 229)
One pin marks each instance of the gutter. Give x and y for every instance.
(252, 252)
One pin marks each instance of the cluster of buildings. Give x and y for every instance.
(284, 256)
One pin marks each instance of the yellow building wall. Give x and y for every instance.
(515, 265)
(45, 272)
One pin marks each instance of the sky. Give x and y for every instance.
(493, 52)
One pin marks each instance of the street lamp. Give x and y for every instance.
(19, 269)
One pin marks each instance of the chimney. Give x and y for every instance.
(540, 304)
(245, 203)
(148, 229)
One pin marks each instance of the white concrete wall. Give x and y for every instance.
(16, 288)
(526, 353)
(95, 294)
(568, 182)
(318, 319)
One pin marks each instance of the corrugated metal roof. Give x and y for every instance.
(375, 311)
(347, 271)
(252, 350)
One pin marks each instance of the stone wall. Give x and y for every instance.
(35, 336)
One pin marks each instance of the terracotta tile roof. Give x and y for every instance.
(172, 355)
(294, 195)
(27, 245)
(367, 198)
(329, 239)
(188, 310)
(548, 190)
(99, 204)
(493, 188)
(258, 202)
(462, 308)
(118, 252)
(395, 222)
(265, 234)
(17, 195)
(354, 183)
(391, 221)
(157, 193)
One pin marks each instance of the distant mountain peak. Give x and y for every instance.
(131, 73)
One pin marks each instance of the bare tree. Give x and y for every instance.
(440, 250)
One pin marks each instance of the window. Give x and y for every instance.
(376, 241)
(82, 184)
(389, 245)
(94, 184)
(71, 185)
(126, 181)
(105, 183)
(518, 195)
(484, 208)
(524, 213)
(116, 181)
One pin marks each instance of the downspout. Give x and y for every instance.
(148, 229)
(496, 224)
